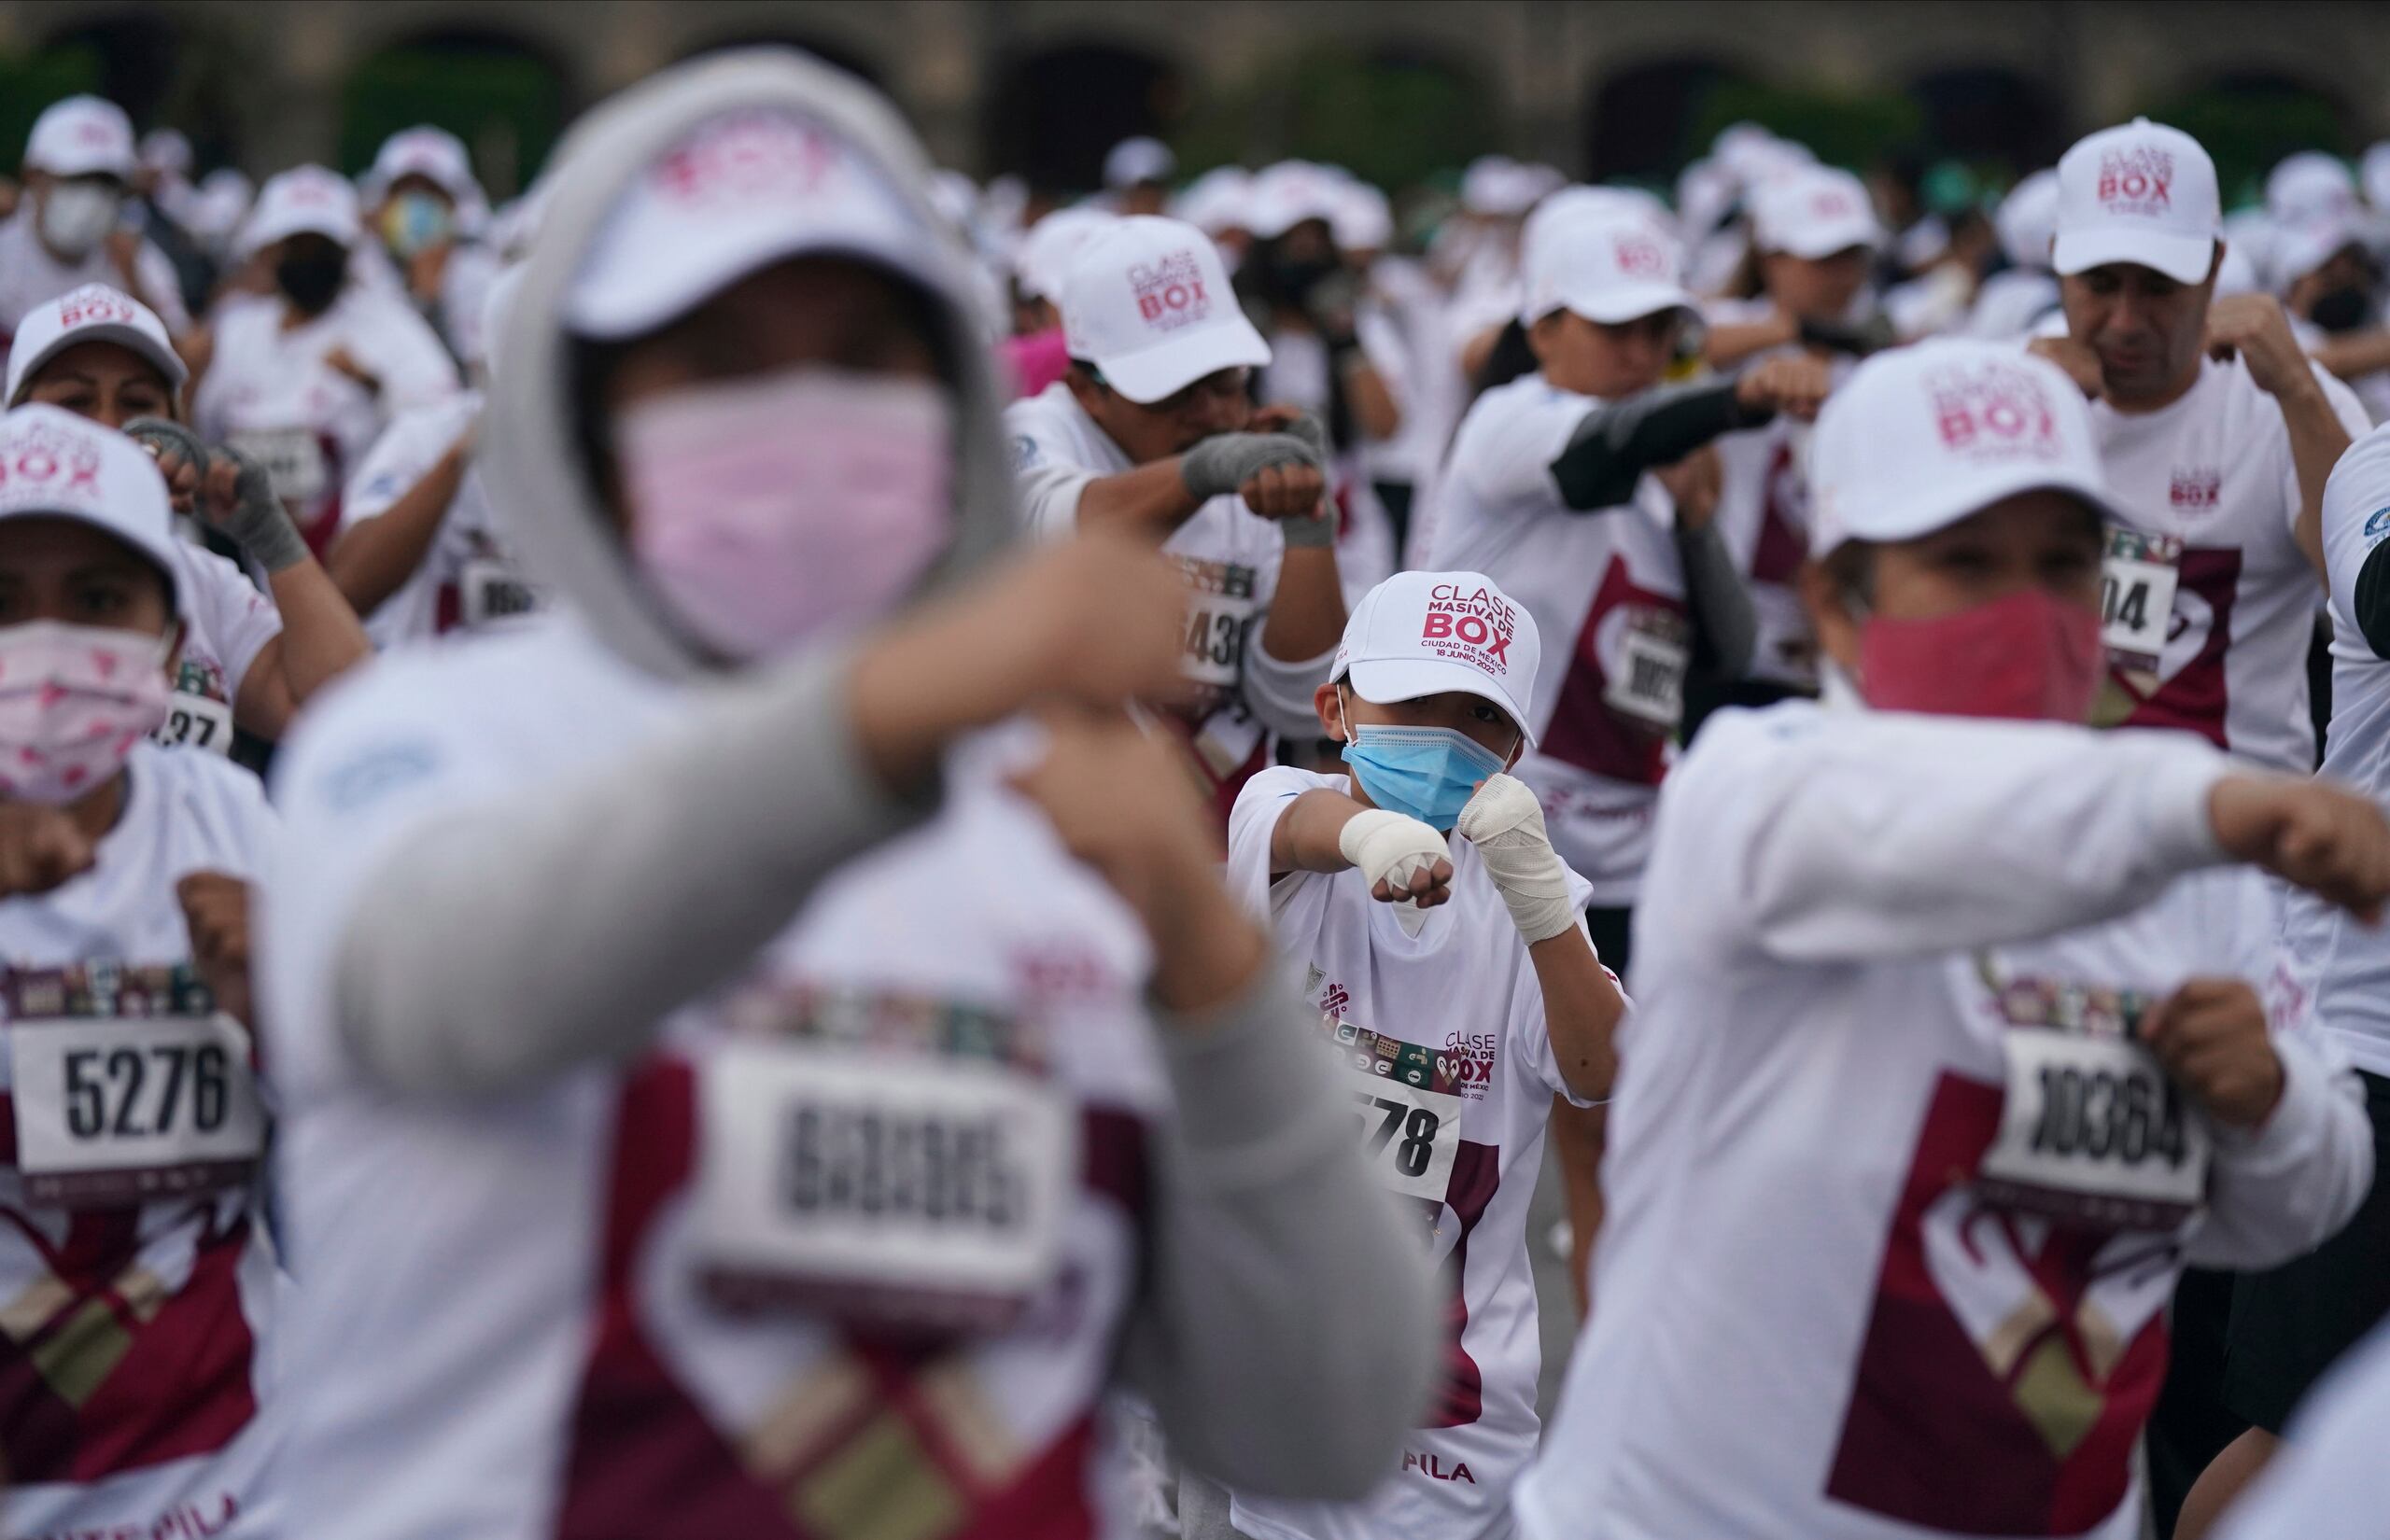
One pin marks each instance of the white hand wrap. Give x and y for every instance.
(1390, 847)
(1506, 826)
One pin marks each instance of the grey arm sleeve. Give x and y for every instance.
(522, 937)
(1265, 1202)
(1720, 600)
(1615, 444)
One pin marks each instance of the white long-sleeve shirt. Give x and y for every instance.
(1815, 1319)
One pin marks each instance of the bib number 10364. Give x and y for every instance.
(2094, 1133)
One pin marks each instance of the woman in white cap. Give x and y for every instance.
(1955, 1037)
(1444, 945)
(1153, 432)
(78, 169)
(139, 1372)
(248, 659)
(780, 1147)
(1814, 234)
(302, 380)
(426, 213)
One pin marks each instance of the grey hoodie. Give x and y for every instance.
(1287, 1331)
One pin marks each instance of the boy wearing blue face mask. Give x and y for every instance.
(1456, 984)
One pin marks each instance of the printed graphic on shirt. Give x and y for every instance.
(2137, 603)
(200, 715)
(1221, 609)
(124, 1344)
(2189, 690)
(1624, 688)
(2377, 527)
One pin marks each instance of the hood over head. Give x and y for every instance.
(544, 493)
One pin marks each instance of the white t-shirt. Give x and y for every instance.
(30, 276)
(1817, 1317)
(467, 580)
(1444, 1032)
(1763, 520)
(588, 1376)
(1229, 554)
(2011, 303)
(227, 622)
(1607, 590)
(2350, 964)
(268, 391)
(2214, 470)
(141, 1326)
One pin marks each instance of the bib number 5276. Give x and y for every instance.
(124, 1110)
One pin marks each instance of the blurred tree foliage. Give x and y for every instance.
(28, 85)
(1392, 117)
(503, 100)
(1846, 130)
(2247, 124)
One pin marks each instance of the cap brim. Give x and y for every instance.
(1151, 374)
(1381, 681)
(1931, 509)
(629, 305)
(1615, 306)
(1810, 245)
(132, 339)
(267, 233)
(2185, 258)
(93, 165)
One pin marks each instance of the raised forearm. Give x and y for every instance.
(1307, 613)
(373, 558)
(321, 638)
(1581, 1010)
(1150, 501)
(1309, 834)
(2317, 442)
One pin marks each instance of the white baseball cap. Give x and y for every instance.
(302, 201)
(1607, 264)
(81, 136)
(2309, 184)
(1428, 633)
(2142, 193)
(1814, 210)
(1138, 159)
(1577, 199)
(1284, 195)
(1043, 263)
(2027, 220)
(742, 190)
(1920, 438)
(1215, 201)
(1498, 187)
(1147, 301)
(1363, 220)
(2299, 248)
(54, 463)
(435, 155)
(92, 314)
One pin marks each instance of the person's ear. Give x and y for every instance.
(1832, 616)
(1329, 702)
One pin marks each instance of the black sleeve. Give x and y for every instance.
(2373, 599)
(1615, 444)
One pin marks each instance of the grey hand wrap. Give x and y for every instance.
(1318, 532)
(256, 522)
(1221, 463)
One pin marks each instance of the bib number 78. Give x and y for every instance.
(1410, 1134)
(1410, 1131)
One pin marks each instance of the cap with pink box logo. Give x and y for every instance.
(2140, 193)
(1429, 633)
(1147, 301)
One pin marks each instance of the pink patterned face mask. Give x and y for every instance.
(764, 511)
(73, 700)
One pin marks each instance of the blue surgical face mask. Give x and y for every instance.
(1429, 773)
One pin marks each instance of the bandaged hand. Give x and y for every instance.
(1503, 821)
(1402, 858)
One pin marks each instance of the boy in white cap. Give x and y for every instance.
(1955, 1038)
(2215, 433)
(79, 166)
(1455, 978)
(304, 379)
(1136, 174)
(136, 1252)
(1153, 431)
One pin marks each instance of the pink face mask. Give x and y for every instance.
(73, 700)
(2030, 657)
(764, 511)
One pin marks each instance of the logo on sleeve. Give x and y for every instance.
(1024, 451)
(1470, 624)
(2376, 526)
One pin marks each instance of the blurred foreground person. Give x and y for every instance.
(1443, 944)
(248, 659)
(136, 1378)
(1954, 1039)
(786, 1136)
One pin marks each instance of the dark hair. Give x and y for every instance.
(1851, 566)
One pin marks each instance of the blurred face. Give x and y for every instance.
(2346, 283)
(73, 215)
(2040, 539)
(415, 215)
(104, 381)
(1219, 403)
(2146, 328)
(1608, 359)
(1144, 198)
(1472, 716)
(1815, 289)
(65, 570)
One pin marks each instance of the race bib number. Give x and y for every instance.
(115, 1112)
(2137, 600)
(491, 593)
(293, 459)
(2094, 1133)
(1408, 1105)
(1648, 683)
(900, 1188)
(194, 721)
(1221, 606)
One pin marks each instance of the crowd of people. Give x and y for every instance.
(772, 845)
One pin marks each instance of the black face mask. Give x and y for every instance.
(1297, 279)
(2340, 309)
(311, 279)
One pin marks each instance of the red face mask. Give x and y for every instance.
(2029, 657)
